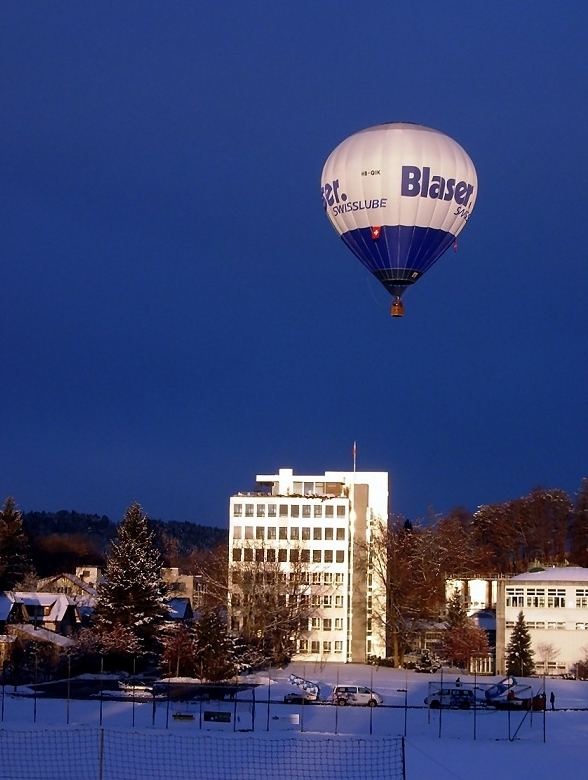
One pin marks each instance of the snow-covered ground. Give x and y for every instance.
(480, 744)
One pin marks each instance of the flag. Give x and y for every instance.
(354, 454)
(376, 231)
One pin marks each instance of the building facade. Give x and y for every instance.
(554, 603)
(316, 531)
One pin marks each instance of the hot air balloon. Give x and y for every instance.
(399, 194)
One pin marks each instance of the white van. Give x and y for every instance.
(458, 698)
(355, 694)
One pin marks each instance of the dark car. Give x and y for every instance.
(299, 698)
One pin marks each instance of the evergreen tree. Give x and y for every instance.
(130, 601)
(457, 613)
(519, 655)
(215, 652)
(463, 639)
(15, 560)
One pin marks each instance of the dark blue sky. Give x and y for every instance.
(177, 313)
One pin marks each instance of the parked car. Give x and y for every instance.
(299, 697)
(356, 695)
(457, 698)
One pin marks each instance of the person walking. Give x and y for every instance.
(552, 700)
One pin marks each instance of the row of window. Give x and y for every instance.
(549, 625)
(536, 597)
(326, 624)
(265, 578)
(289, 510)
(282, 555)
(315, 647)
(294, 534)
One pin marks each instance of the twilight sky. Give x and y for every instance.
(178, 314)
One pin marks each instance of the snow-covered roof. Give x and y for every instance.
(178, 608)
(58, 603)
(42, 634)
(75, 580)
(555, 574)
(6, 602)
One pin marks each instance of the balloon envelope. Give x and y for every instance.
(399, 194)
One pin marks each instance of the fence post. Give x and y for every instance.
(101, 753)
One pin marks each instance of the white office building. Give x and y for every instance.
(324, 523)
(554, 603)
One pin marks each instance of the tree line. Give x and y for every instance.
(411, 560)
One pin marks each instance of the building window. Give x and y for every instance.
(338, 646)
(237, 532)
(340, 511)
(340, 534)
(581, 598)
(315, 624)
(294, 555)
(305, 556)
(326, 647)
(315, 600)
(305, 533)
(318, 510)
(328, 578)
(282, 532)
(338, 624)
(316, 556)
(295, 533)
(339, 578)
(327, 624)
(556, 597)
(314, 647)
(329, 510)
(515, 597)
(259, 532)
(271, 510)
(327, 601)
(248, 510)
(317, 534)
(271, 555)
(338, 601)
(305, 510)
(295, 510)
(282, 555)
(328, 556)
(328, 534)
(316, 578)
(237, 510)
(271, 532)
(248, 554)
(303, 646)
(340, 556)
(261, 510)
(236, 553)
(535, 597)
(259, 555)
(283, 510)
(249, 532)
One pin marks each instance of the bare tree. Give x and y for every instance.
(269, 599)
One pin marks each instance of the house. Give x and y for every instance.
(554, 603)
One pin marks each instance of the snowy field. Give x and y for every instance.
(42, 739)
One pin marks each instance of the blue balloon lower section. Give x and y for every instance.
(400, 255)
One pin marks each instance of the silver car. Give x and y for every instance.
(355, 695)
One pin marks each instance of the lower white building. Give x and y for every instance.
(554, 603)
(317, 528)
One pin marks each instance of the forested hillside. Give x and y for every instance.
(62, 540)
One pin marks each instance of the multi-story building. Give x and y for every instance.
(554, 603)
(316, 531)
